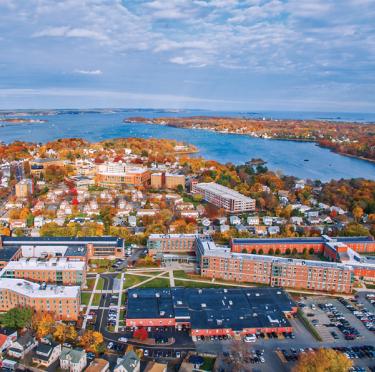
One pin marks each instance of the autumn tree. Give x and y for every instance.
(65, 333)
(323, 360)
(357, 213)
(43, 324)
(92, 341)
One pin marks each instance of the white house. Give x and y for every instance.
(234, 220)
(73, 360)
(253, 220)
(267, 220)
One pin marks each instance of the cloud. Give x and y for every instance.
(88, 72)
(66, 31)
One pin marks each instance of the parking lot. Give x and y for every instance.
(338, 320)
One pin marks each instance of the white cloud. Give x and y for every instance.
(88, 72)
(66, 31)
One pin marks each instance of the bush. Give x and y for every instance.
(271, 252)
(254, 251)
(311, 251)
(277, 252)
(287, 251)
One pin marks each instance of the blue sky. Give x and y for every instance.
(303, 55)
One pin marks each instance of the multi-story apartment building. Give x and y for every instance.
(63, 302)
(222, 263)
(55, 270)
(171, 243)
(120, 174)
(167, 180)
(360, 244)
(24, 188)
(224, 197)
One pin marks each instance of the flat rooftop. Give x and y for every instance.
(35, 290)
(52, 264)
(213, 308)
(224, 191)
(172, 236)
(316, 240)
(7, 253)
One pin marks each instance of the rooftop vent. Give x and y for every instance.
(203, 305)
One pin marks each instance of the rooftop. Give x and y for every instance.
(40, 264)
(34, 290)
(224, 191)
(213, 308)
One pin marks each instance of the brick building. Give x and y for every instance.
(55, 270)
(63, 302)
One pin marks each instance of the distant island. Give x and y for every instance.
(351, 139)
(22, 121)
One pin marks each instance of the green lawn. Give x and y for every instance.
(90, 283)
(180, 274)
(96, 299)
(183, 283)
(156, 283)
(100, 284)
(131, 280)
(123, 299)
(85, 298)
(208, 364)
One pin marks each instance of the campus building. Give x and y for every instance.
(163, 180)
(63, 301)
(221, 263)
(74, 249)
(120, 174)
(224, 197)
(8, 254)
(54, 270)
(211, 311)
(361, 244)
(24, 188)
(171, 243)
(39, 165)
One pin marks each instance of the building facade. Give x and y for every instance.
(224, 197)
(55, 270)
(167, 180)
(171, 243)
(119, 175)
(63, 301)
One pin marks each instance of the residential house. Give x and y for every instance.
(267, 220)
(46, 353)
(132, 221)
(39, 221)
(253, 220)
(22, 345)
(7, 337)
(98, 365)
(128, 363)
(235, 220)
(73, 360)
(296, 220)
(273, 230)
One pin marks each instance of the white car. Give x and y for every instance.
(110, 345)
(123, 339)
(250, 338)
(145, 353)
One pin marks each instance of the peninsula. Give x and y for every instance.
(351, 139)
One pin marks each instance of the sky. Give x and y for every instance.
(282, 55)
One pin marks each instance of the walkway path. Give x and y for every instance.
(90, 302)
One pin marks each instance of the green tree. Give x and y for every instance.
(17, 318)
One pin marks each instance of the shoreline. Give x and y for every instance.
(372, 161)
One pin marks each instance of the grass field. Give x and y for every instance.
(90, 283)
(131, 280)
(183, 283)
(156, 283)
(85, 298)
(100, 284)
(96, 300)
